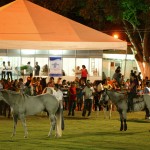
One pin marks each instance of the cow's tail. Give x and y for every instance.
(60, 120)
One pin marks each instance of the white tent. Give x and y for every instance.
(25, 25)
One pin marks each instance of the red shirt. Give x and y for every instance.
(84, 72)
(72, 92)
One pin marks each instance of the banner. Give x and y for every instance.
(55, 66)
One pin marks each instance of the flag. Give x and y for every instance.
(55, 66)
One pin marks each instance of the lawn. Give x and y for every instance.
(94, 133)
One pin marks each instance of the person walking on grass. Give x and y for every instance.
(72, 99)
(88, 92)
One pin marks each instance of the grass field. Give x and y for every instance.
(94, 133)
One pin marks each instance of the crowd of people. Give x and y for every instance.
(80, 94)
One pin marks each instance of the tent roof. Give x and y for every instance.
(27, 25)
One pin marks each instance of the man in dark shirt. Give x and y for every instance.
(3, 70)
(133, 91)
(37, 69)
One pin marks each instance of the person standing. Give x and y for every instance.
(139, 76)
(59, 81)
(21, 86)
(29, 69)
(117, 75)
(84, 73)
(78, 72)
(72, 99)
(3, 70)
(79, 98)
(1, 102)
(37, 69)
(88, 92)
(146, 90)
(132, 91)
(9, 71)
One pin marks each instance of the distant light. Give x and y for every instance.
(56, 52)
(116, 36)
(28, 51)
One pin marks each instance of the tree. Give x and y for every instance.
(133, 16)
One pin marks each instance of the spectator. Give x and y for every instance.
(78, 72)
(98, 87)
(1, 102)
(88, 92)
(139, 76)
(33, 85)
(72, 99)
(37, 69)
(107, 83)
(146, 90)
(3, 70)
(63, 73)
(1, 85)
(27, 89)
(132, 91)
(117, 75)
(21, 86)
(79, 98)
(59, 81)
(29, 69)
(45, 70)
(43, 83)
(51, 82)
(29, 79)
(15, 86)
(84, 73)
(58, 93)
(127, 84)
(9, 70)
(64, 89)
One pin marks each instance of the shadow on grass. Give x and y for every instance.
(93, 134)
(75, 118)
(138, 121)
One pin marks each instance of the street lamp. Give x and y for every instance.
(115, 36)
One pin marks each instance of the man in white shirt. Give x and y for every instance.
(78, 72)
(9, 71)
(29, 69)
(88, 97)
(58, 93)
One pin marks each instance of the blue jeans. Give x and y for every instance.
(87, 106)
(72, 106)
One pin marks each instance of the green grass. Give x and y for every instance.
(94, 133)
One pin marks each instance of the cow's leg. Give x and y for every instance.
(125, 125)
(53, 124)
(15, 119)
(23, 120)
